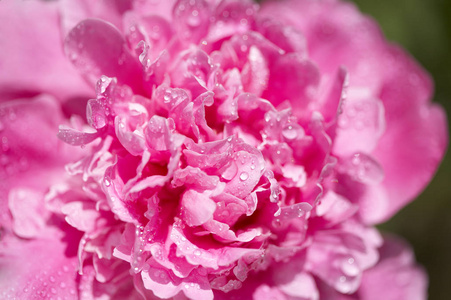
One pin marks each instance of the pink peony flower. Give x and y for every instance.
(228, 151)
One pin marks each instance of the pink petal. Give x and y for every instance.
(191, 19)
(295, 79)
(73, 12)
(97, 48)
(28, 212)
(165, 286)
(38, 268)
(255, 72)
(361, 122)
(30, 48)
(409, 165)
(198, 208)
(396, 276)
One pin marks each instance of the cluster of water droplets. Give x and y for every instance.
(363, 168)
(139, 256)
(360, 115)
(46, 285)
(349, 274)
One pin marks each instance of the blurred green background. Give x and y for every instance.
(424, 29)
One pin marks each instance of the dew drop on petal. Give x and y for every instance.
(349, 267)
(244, 176)
(365, 169)
(289, 132)
(194, 20)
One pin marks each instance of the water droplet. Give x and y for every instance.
(167, 97)
(344, 284)
(197, 252)
(52, 279)
(193, 20)
(5, 144)
(107, 183)
(274, 196)
(4, 160)
(365, 169)
(349, 267)
(244, 176)
(289, 132)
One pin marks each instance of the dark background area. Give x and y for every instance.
(423, 27)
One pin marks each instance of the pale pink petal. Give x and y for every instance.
(97, 48)
(409, 166)
(73, 12)
(20, 60)
(396, 276)
(38, 268)
(198, 208)
(28, 213)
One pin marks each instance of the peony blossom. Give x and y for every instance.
(208, 149)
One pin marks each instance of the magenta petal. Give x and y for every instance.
(97, 48)
(265, 292)
(295, 79)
